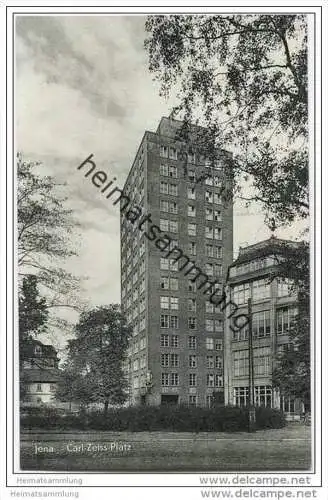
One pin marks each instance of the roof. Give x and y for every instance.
(271, 246)
(40, 375)
(48, 351)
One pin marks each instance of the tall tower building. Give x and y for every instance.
(176, 247)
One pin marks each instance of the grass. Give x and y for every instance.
(266, 450)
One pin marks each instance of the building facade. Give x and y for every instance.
(40, 374)
(255, 275)
(180, 248)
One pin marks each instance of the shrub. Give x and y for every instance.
(156, 418)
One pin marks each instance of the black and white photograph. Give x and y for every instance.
(166, 240)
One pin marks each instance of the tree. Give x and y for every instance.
(33, 314)
(96, 355)
(292, 373)
(244, 77)
(45, 228)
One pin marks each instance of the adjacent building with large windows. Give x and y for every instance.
(255, 275)
(173, 202)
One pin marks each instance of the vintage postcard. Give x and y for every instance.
(163, 295)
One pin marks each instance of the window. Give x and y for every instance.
(164, 187)
(52, 387)
(174, 323)
(164, 264)
(39, 388)
(285, 318)
(209, 307)
(173, 172)
(209, 325)
(209, 180)
(262, 361)
(192, 248)
(165, 282)
(210, 380)
(263, 395)
(218, 344)
(174, 303)
(191, 286)
(217, 215)
(164, 342)
(217, 233)
(37, 351)
(191, 176)
(261, 324)
(240, 363)
(174, 341)
(191, 229)
(192, 379)
(192, 322)
(164, 151)
(218, 380)
(284, 288)
(218, 363)
(261, 289)
(192, 305)
(209, 343)
(209, 361)
(174, 379)
(191, 193)
(174, 360)
(218, 269)
(173, 207)
(165, 302)
(164, 170)
(173, 189)
(192, 400)
(209, 269)
(192, 361)
(240, 396)
(164, 224)
(209, 196)
(164, 205)
(208, 232)
(217, 199)
(173, 154)
(240, 293)
(192, 342)
(174, 284)
(209, 251)
(173, 226)
(164, 321)
(165, 379)
(218, 325)
(191, 211)
(209, 214)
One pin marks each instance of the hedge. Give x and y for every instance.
(154, 418)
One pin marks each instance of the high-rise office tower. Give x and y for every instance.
(176, 246)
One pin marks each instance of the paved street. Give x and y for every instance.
(278, 449)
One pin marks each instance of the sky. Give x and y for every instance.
(82, 87)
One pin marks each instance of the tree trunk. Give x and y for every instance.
(106, 404)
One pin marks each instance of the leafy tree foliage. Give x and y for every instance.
(244, 77)
(292, 374)
(94, 372)
(44, 229)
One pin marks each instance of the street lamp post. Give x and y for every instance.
(251, 407)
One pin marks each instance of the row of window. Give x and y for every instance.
(173, 341)
(172, 360)
(172, 207)
(172, 190)
(261, 360)
(172, 153)
(173, 379)
(261, 323)
(262, 396)
(258, 290)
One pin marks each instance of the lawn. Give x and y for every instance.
(266, 450)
